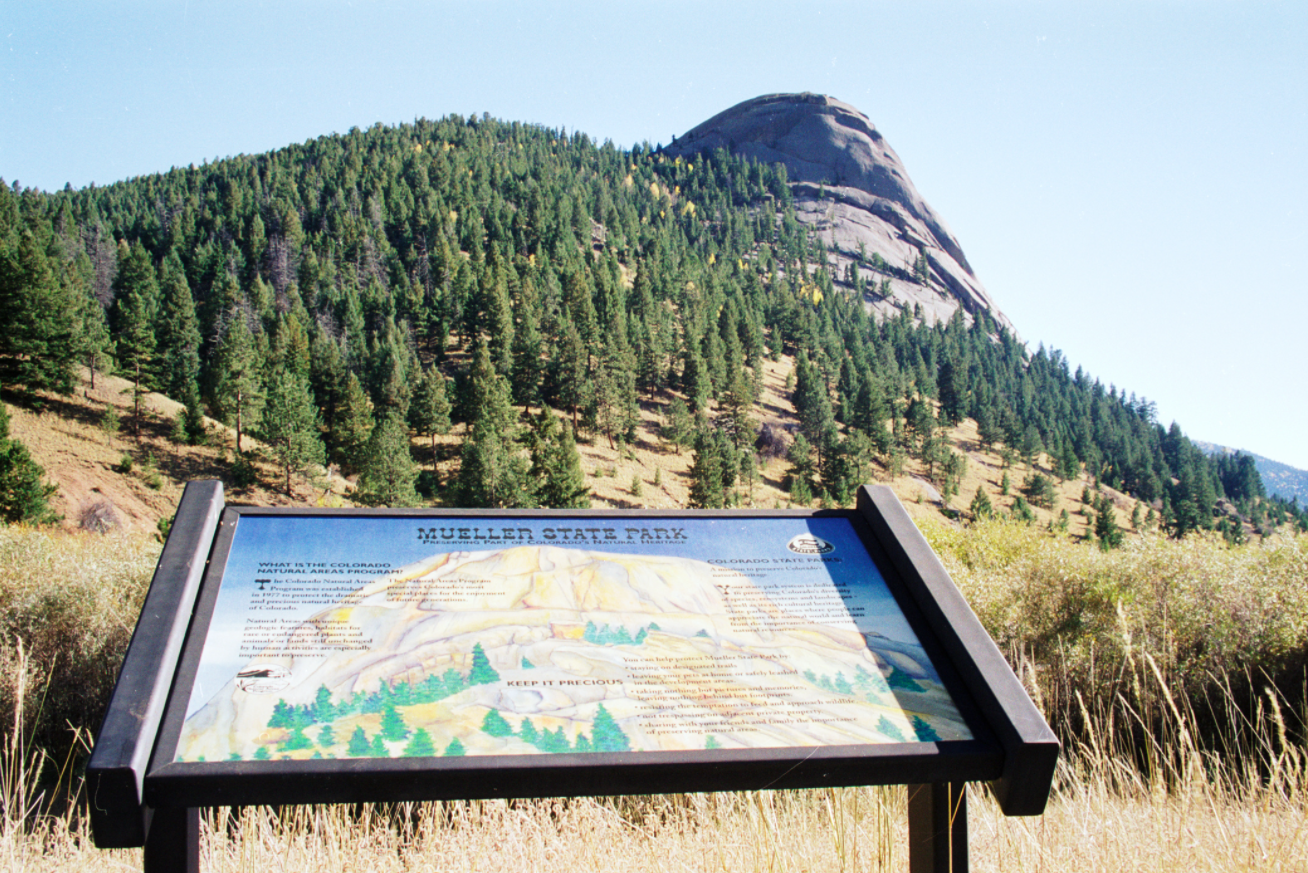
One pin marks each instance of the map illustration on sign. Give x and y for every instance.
(406, 636)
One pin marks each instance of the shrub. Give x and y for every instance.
(1211, 617)
(150, 473)
(110, 422)
(98, 516)
(244, 474)
(771, 442)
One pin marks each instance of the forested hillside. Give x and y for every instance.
(529, 288)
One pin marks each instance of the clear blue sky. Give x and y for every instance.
(1128, 179)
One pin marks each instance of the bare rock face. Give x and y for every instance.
(848, 184)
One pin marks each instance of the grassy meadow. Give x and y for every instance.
(1173, 671)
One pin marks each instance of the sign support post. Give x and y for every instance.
(937, 827)
(172, 841)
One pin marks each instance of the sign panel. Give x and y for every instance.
(309, 656)
(383, 636)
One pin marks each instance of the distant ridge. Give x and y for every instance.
(1280, 480)
(850, 186)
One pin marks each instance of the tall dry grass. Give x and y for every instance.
(1114, 647)
(71, 601)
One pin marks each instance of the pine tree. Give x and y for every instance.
(455, 749)
(358, 746)
(238, 392)
(953, 390)
(482, 672)
(799, 478)
(679, 426)
(812, 402)
(178, 334)
(290, 425)
(24, 497)
(91, 336)
(499, 315)
(559, 482)
(1067, 465)
(1022, 510)
(528, 368)
(981, 506)
(420, 746)
(696, 382)
(738, 405)
(493, 472)
(607, 734)
(1107, 532)
(388, 473)
(392, 725)
(647, 334)
(37, 349)
(706, 474)
(1039, 490)
(429, 413)
(137, 307)
(351, 427)
(569, 372)
(614, 398)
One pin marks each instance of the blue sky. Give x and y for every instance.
(1127, 179)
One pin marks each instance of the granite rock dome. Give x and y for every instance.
(849, 185)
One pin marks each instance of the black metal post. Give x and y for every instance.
(937, 828)
(172, 841)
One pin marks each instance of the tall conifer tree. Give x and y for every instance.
(290, 424)
(136, 308)
(238, 390)
(37, 349)
(388, 473)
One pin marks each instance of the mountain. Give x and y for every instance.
(1279, 479)
(848, 184)
(421, 294)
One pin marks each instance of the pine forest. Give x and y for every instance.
(346, 301)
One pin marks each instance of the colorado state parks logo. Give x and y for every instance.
(807, 544)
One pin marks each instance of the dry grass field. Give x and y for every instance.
(1144, 785)
(1154, 662)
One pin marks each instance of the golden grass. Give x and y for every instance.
(68, 604)
(1088, 827)
(1148, 781)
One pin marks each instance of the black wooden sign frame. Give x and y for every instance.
(141, 795)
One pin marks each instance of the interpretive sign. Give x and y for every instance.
(396, 655)
(382, 637)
